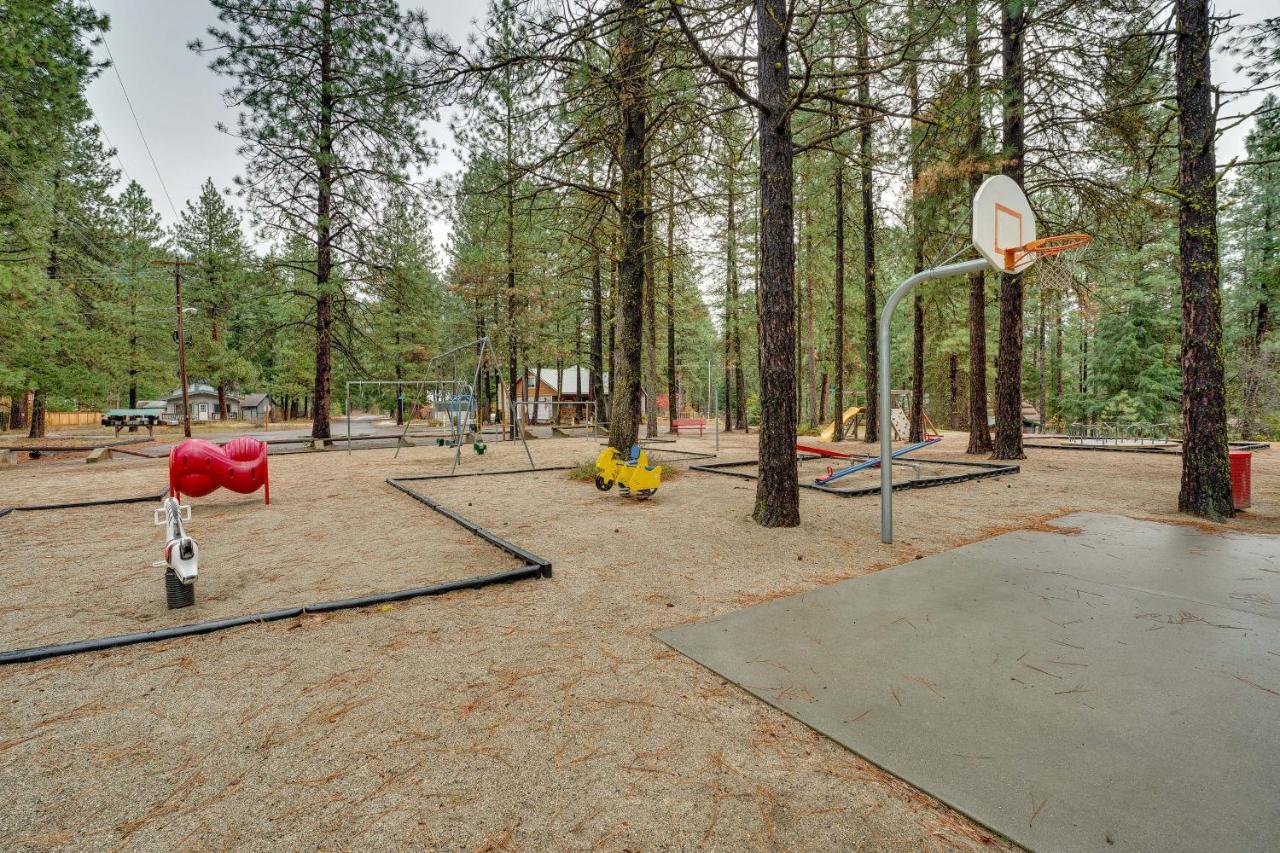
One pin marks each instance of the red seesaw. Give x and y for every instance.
(198, 467)
(822, 451)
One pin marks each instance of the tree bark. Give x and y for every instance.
(822, 396)
(1008, 443)
(811, 350)
(650, 314)
(324, 230)
(133, 354)
(777, 490)
(624, 422)
(870, 299)
(17, 419)
(673, 390)
(597, 330)
(916, 428)
(1042, 356)
(36, 429)
(1206, 474)
(839, 296)
(953, 391)
(916, 416)
(979, 429)
(1256, 366)
(734, 413)
(1057, 359)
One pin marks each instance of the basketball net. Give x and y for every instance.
(1057, 272)
(1057, 261)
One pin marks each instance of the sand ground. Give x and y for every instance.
(539, 715)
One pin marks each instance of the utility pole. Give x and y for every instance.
(182, 340)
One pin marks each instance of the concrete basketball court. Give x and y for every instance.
(1112, 686)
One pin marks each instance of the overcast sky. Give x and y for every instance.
(178, 100)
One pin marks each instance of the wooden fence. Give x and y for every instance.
(66, 419)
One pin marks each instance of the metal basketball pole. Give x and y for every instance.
(886, 426)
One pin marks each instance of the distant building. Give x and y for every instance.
(541, 388)
(203, 401)
(257, 407)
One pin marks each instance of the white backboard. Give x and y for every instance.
(1003, 219)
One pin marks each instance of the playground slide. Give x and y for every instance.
(829, 431)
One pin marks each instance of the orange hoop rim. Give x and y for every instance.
(1045, 246)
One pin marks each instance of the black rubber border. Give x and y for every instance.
(136, 499)
(75, 448)
(534, 567)
(1148, 451)
(984, 471)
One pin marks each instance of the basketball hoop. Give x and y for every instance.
(1056, 269)
(1045, 247)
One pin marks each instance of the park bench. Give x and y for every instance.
(688, 423)
(120, 419)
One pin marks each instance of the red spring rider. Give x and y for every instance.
(198, 467)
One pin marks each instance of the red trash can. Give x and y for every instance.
(1241, 470)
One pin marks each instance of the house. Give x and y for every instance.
(541, 388)
(257, 407)
(203, 400)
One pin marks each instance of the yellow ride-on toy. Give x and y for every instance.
(633, 474)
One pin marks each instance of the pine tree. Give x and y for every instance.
(209, 234)
(331, 107)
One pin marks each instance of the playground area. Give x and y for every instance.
(437, 721)
(857, 473)
(95, 581)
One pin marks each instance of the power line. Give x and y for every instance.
(114, 150)
(116, 68)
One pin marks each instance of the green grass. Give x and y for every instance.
(583, 472)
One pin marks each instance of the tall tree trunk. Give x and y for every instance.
(1256, 366)
(133, 355)
(324, 230)
(613, 328)
(916, 419)
(1008, 443)
(777, 490)
(1084, 357)
(822, 397)
(36, 429)
(673, 389)
(17, 418)
(222, 384)
(732, 344)
(513, 340)
(1057, 360)
(916, 428)
(979, 425)
(650, 315)
(739, 381)
(399, 373)
(1206, 474)
(1042, 363)
(624, 425)
(953, 391)
(979, 429)
(597, 330)
(811, 353)
(839, 294)
(869, 296)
